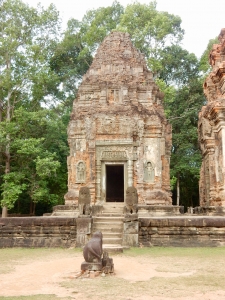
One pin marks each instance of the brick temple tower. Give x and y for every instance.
(118, 134)
(211, 129)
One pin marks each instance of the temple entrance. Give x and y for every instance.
(114, 183)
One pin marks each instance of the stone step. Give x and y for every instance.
(112, 248)
(112, 234)
(65, 213)
(110, 214)
(103, 221)
(108, 219)
(114, 204)
(106, 228)
(113, 207)
(112, 241)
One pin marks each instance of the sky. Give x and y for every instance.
(202, 20)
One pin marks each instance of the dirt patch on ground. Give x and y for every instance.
(146, 276)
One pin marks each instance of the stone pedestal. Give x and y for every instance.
(83, 230)
(91, 266)
(130, 230)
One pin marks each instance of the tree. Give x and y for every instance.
(27, 39)
(179, 66)
(38, 155)
(151, 31)
(182, 112)
(73, 56)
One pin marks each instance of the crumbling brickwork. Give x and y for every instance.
(118, 120)
(38, 232)
(182, 231)
(211, 129)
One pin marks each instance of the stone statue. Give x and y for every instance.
(149, 173)
(131, 200)
(84, 200)
(93, 253)
(93, 249)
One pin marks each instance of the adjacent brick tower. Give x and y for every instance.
(211, 129)
(118, 134)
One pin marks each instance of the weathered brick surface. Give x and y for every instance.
(118, 118)
(211, 130)
(182, 232)
(162, 231)
(37, 232)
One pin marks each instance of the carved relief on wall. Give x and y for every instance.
(81, 172)
(115, 125)
(77, 145)
(76, 127)
(149, 172)
(207, 128)
(108, 125)
(115, 153)
(153, 120)
(140, 128)
(90, 128)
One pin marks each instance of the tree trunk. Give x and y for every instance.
(7, 148)
(178, 189)
(4, 212)
(32, 208)
(4, 209)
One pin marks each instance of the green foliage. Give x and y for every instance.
(12, 188)
(28, 38)
(96, 24)
(204, 60)
(178, 66)
(35, 161)
(73, 55)
(39, 66)
(151, 31)
(186, 156)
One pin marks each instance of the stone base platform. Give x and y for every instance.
(159, 210)
(209, 210)
(182, 231)
(65, 210)
(91, 266)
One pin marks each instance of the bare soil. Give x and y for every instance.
(149, 273)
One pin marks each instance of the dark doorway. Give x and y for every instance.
(114, 183)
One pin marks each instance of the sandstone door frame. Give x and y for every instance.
(104, 175)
